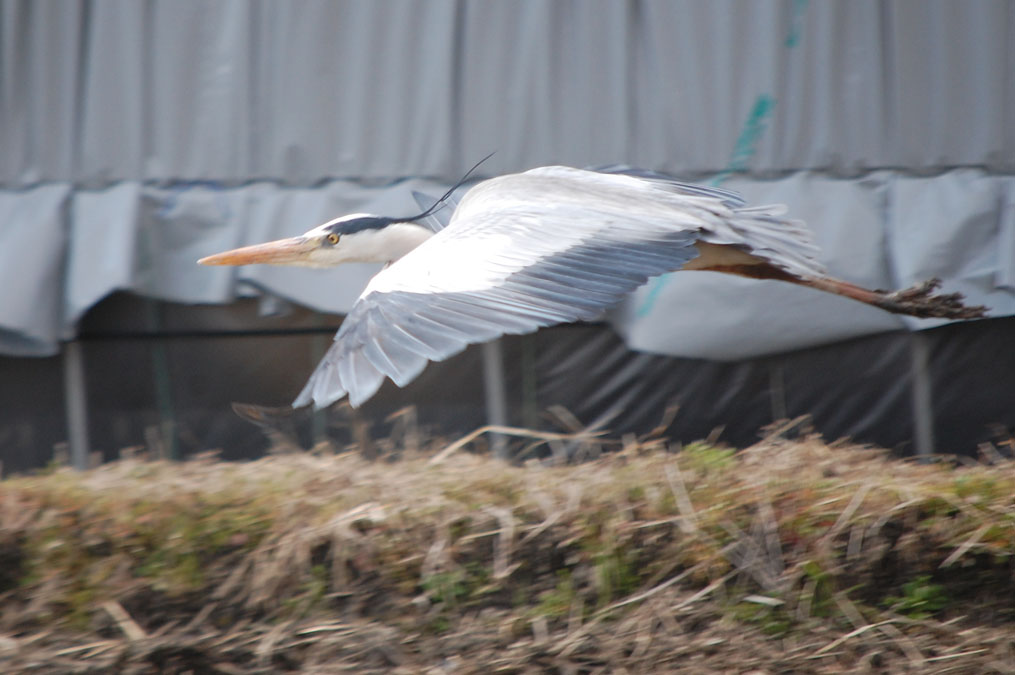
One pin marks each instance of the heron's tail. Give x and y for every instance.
(767, 233)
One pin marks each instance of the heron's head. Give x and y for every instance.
(359, 237)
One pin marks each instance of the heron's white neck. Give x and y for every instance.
(387, 244)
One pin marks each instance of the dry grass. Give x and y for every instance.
(787, 556)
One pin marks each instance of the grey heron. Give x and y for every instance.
(547, 246)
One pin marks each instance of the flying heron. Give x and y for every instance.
(547, 246)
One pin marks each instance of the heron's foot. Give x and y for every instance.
(920, 300)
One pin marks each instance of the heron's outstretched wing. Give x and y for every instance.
(728, 197)
(552, 245)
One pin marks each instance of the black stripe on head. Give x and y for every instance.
(358, 224)
(364, 221)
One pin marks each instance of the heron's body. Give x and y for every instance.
(550, 245)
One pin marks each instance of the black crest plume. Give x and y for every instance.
(440, 202)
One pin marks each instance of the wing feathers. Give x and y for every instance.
(398, 335)
(548, 246)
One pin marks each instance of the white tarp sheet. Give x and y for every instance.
(884, 231)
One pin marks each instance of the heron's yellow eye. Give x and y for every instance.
(333, 238)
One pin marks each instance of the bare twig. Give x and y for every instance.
(850, 509)
(905, 644)
(649, 593)
(966, 545)
(129, 627)
(507, 431)
(849, 636)
(705, 591)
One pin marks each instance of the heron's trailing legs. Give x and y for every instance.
(918, 300)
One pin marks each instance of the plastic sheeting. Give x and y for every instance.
(138, 137)
(146, 371)
(861, 388)
(886, 230)
(94, 92)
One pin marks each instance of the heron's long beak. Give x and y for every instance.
(293, 251)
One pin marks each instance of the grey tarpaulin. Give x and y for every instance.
(136, 137)
(33, 251)
(94, 92)
(72, 248)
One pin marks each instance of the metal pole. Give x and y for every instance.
(319, 417)
(777, 389)
(496, 395)
(923, 410)
(163, 385)
(75, 404)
